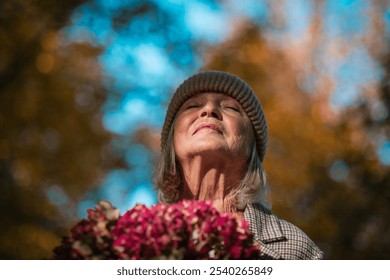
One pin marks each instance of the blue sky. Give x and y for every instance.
(141, 71)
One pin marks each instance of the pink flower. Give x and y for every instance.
(184, 230)
(91, 237)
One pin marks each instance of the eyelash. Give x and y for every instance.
(233, 108)
(192, 106)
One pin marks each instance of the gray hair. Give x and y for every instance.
(252, 188)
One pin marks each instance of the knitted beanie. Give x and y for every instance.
(225, 83)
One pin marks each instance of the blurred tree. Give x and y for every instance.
(53, 148)
(322, 166)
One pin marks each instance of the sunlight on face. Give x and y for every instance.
(214, 125)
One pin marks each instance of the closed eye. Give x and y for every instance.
(190, 106)
(233, 108)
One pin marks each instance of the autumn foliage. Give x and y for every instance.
(322, 163)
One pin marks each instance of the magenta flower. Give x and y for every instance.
(184, 230)
(91, 238)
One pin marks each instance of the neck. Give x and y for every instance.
(215, 182)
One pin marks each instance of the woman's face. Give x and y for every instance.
(214, 125)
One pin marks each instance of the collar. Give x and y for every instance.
(265, 227)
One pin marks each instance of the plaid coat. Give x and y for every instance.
(279, 239)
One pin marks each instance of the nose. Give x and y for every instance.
(211, 110)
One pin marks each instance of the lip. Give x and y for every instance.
(208, 126)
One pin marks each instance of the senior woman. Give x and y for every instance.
(213, 144)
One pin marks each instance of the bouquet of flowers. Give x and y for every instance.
(184, 230)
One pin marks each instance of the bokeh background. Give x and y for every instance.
(84, 86)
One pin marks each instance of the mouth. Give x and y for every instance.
(208, 126)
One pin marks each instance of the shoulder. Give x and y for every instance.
(297, 244)
(279, 238)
